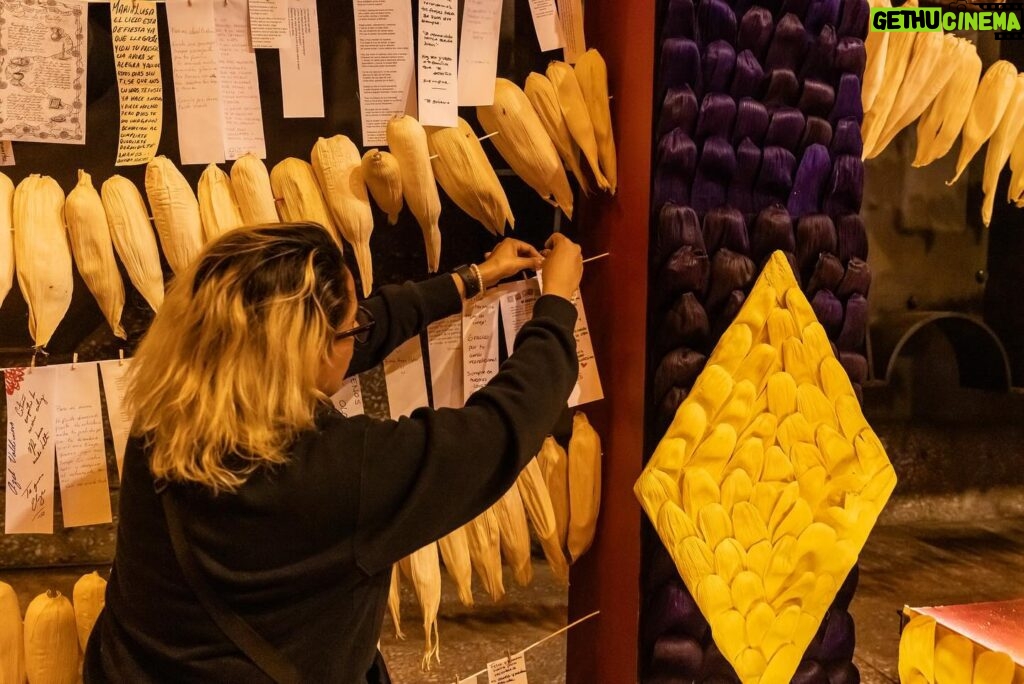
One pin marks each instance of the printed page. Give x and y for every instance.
(405, 379)
(268, 22)
(547, 24)
(517, 308)
(30, 430)
(438, 51)
(239, 82)
(588, 386)
(570, 13)
(478, 52)
(302, 82)
(139, 84)
(115, 385)
(386, 64)
(444, 344)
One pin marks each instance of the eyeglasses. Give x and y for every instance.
(364, 324)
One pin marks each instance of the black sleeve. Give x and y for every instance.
(402, 311)
(425, 475)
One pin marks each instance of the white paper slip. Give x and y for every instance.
(438, 52)
(479, 344)
(81, 452)
(29, 468)
(588, 385)
(44, 70)
(302, 82)
(517, 308)
(268, 21)
(405, 379)
(478, 52)
(136, 43)
(193, 39)
(386, 64)
(508, 670)
(115, 384)
(570, 14)
(239, 82)
(349, 399)
(547, 24)
(444, 344)
(6, 153)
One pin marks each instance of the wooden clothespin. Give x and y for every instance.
(120, 357)
(74, 360)
(32, 363)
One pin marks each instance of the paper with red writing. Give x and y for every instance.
(80, 444)
(28, 484)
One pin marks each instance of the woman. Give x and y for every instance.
(282, 511)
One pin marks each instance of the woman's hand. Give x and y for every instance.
(563, 266)
(508, 258)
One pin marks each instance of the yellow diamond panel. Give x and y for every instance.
(768, 482)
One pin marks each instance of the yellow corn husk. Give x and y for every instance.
(541, 512)
(940, 125)
(927, 73)
(554, 463)
(584, 485)
(175, 213)
(592, 74)
(992, 667)
(6, 236)
(917, 649)
(384, 180)
(395, 601)
(93, 250)
(455, 553)
(42, 255)
(484, 537)
(51, 640)
(577, 116)
(1015, 191)
(89, 598)
(1000, 147)
(338, 169)
(954, 659)
(514, 535)
(545, 102)
(463, 170)
(424, 569)
(251, 183)
(524, 144)
(897, 59)
(133, 238)
(408, 143)
(876, 45)
(12, 638)
(298, 196)
(218, 207)
(987, 109)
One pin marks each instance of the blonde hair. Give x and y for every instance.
(226, 376)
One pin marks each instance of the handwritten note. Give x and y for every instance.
(29, 465)
(349, 399)
(438, 51)
(588, 385)
(42, 82)
(386, 64)
(444, 344)
(239, 82)
(517, 308)
(570, 14)
(302, 82)
(268, 21)
(6, 153)
(196, 88)
(508, 670)
(547, 24)
(81, 454)
(478, 52)
(479, 344)
(405, 379)
(133, 31)
(115, 385)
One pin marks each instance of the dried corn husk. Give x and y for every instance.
(524, 144)
(42, 255)
(484, 538)
(584, 485)
(876, 45)
(298, 195)
(255, 197)
(592, 74)
(463, 170)
(133, 238)
(554, 464)
(545, 102)
(897, 59)
(175, 213)
(940, 125)
(336, 162)
(424, 569)
(515, 535)
(1015, 192)
(1000, 147)
(6, 236)
(94, 251)
(218, 207)
(408, 142)
(577, 116)
(384, 180)
(537, 502)
(89, 597)
(395, 601)
(455, 554)
(990, 103)
(51, 640)
(12, 638)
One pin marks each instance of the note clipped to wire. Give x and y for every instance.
(6, 153)
(478, 52)
(268, 23)
(444, 345)
(517, 300)
(438, 62)
(29, 466)
(547, 24)
(349, 399)
(386, 64)
(588, 385)
(511, 670)
(570, 13)
(302, 81)
(479, 344)
(136, 43)
(239, 82)
(115, 386)
(405, 379)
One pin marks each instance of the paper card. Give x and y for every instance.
(386, 64)
(115, 385)
(405, 379)
(268, 22)
(547, 24)
(136, 43)
(444, 344)
(508, 670)
(302, 82)
(349, 399)
(588, 385)
(79, 441)
(570, 14)
(438, 50)
(6, 153)
(479, 344)
(29, 467)
(193, 39)
(44, 70)
(239, 82)
(517, 308)
(478, 52)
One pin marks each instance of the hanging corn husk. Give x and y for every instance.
(255, 197)
(592, 74)
(990, 102)
(51, 640)
(541, 512)
(424, 569)
(218, 207)
(515, 535)
(133, 238)
(584, 485)
(395, 601)
(577, 116)
(940, 125)
(897, 59)
(298, 196)
(175, 213)
(89, 598)
(408, 143)
(484, 538)
(542, 96)
(384, 180)
(1000, 147)
(12, 639)
(455, 554)
(554, 464)
(6, 236)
